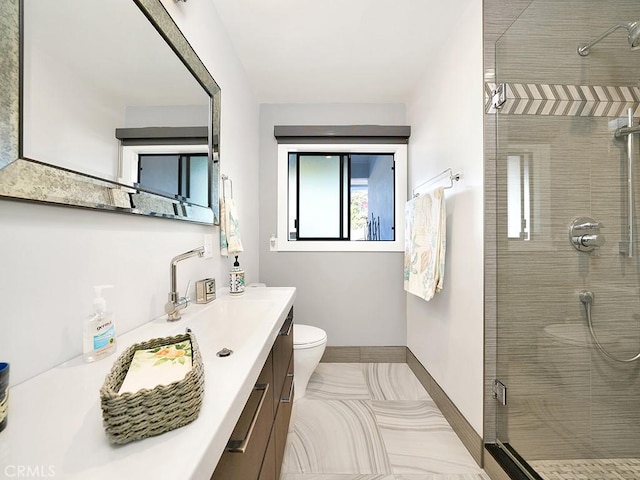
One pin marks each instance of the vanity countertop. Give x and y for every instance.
(55, 421)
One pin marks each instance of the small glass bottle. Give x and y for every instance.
(236, 279)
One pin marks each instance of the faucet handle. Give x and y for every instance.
(588, 226)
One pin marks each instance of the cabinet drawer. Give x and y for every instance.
(268, 470)
(244, 454)
(282, 354)
(283, 417)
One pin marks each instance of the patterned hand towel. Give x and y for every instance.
(425, 244)
(230, 241)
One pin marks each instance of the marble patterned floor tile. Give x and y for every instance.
(338, 381)
(335, 436)
(418, 439)
(421, 476)
(333, 476)
(393, 381)
(439, 476)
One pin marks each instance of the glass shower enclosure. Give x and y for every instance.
(567, 242)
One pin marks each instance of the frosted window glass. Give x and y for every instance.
(292, 197)
(518, 197)
(319, 197)
(198, 190)
(514, 205)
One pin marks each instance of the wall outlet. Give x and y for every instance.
(273, 243)
(208, 246)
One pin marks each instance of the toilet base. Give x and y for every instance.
(305, 362)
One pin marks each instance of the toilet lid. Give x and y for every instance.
(306, 336)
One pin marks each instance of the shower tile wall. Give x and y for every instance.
(564, 402)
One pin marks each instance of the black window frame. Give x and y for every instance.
(183, 175)
(344, 157)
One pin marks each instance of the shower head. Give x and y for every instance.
(634, 37)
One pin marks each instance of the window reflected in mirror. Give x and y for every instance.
(175, 175)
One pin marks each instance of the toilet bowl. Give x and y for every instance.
(308, 346)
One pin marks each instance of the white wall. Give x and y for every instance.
(446, 333)
(356, 297)
(51, 256)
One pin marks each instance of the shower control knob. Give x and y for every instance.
(584, 234)
(596, 240)
(588, 226)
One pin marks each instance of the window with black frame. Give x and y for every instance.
(173, 174)
(341, 196)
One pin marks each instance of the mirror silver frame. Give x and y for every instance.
(31, 180)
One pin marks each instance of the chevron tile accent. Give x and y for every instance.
(565, 100)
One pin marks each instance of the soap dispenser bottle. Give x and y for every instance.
(99, 330)
(236, 279)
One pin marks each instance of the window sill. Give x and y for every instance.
(284, 245)
(338, 246)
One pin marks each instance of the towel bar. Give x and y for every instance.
(224, 192)
(453, 177)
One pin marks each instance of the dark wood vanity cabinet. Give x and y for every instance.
(256, 447)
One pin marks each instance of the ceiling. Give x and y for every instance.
(337, 51)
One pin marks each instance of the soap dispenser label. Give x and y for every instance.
(236, 282)
(105, 336)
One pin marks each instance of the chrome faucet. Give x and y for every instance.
(176, 302)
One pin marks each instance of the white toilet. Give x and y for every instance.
(308, 346)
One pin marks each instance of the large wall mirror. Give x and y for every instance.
(105, 105)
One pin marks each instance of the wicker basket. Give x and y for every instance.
(148, 412)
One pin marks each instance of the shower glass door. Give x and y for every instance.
(569, 407)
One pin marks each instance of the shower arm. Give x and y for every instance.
(584, 49)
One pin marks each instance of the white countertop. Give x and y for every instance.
(55, 421)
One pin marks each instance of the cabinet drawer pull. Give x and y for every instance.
(242, 447)
(286, 329)
(288, 399)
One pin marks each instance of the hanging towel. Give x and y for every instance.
(425, 244)
(230, 241)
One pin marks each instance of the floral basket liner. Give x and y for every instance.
(148, 412)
